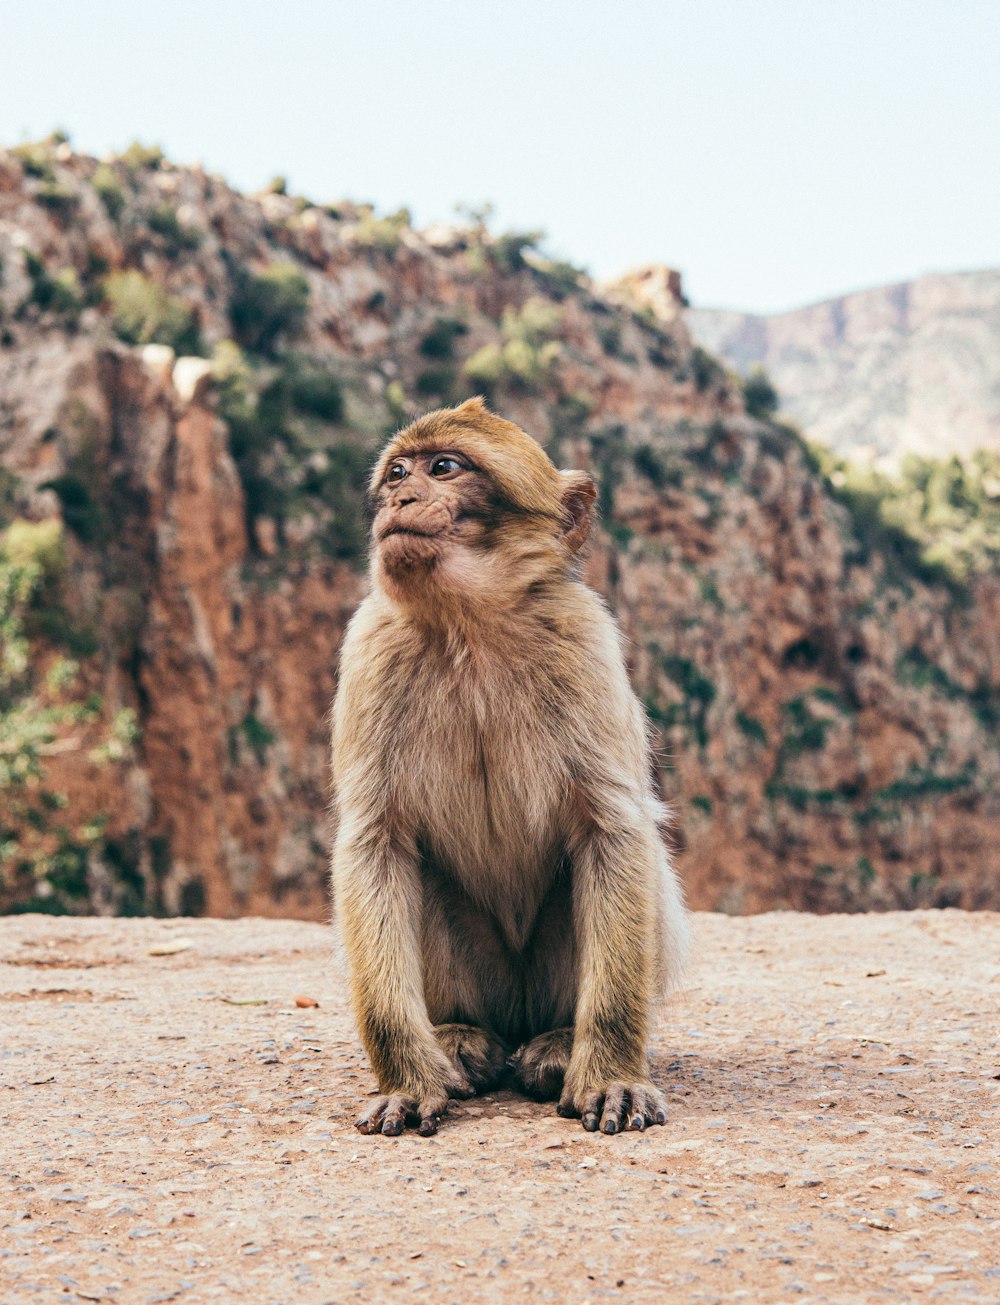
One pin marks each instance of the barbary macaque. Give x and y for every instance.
(502, 890)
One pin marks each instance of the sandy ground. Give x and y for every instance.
(174, 1128)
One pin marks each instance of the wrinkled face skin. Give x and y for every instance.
(428, 504)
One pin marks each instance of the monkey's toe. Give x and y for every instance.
(389, 1115)
(540, 1065)
(622, 1106)
(478, 1056)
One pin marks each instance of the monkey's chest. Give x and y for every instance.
(486, 790)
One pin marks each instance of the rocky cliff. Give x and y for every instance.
(904, 368)
(192, 386)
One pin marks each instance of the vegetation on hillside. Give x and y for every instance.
(45, 711)
(945, 512)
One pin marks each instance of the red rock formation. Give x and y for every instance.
(826, 717)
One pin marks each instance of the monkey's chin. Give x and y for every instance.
(402, 554)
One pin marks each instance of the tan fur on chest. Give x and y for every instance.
(481, 780)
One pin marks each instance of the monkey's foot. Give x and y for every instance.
(478, 1057)
(540, 1065)
(389, 1115)
(622, 1105)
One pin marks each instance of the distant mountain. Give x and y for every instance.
(905, 368)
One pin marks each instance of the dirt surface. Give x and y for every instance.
(174, 1127)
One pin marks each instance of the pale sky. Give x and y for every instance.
(777, 152)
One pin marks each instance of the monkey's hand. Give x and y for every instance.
(391, 1112)
(621, 1105)
(389, 1115)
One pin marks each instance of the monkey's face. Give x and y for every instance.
(431, 506)
(470, 512)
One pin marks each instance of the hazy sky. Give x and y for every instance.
(776, 151)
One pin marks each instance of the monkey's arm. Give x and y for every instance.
(378, 901)
(620, 872)
(378, 896)
(616, 856)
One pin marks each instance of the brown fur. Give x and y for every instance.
(497, 861)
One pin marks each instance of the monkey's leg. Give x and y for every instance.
(540, 1065)
(379, 903)
(615, 868)
(478, 1056)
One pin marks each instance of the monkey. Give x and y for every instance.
(502, 890)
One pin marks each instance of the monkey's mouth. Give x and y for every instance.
(410, 530)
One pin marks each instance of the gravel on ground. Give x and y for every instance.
(176, 1127)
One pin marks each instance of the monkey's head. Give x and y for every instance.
(469, 507)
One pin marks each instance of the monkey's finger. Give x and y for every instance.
(641, 1108)
(430, 1111)
(567, 1107)
(649, 1104)
(397, 1111)
(615, 1108)
(461, 1088)
(590, 1111)
(371, 1120)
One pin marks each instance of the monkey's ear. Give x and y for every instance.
(472, 408)
(578, 495)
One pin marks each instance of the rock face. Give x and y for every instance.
(904, 368)
(826, 718)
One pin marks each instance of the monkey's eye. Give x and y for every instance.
(445, 466)
(396, 473)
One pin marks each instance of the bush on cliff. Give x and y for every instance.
(940, 517)
(37, 850)
(526, 358)
(269, 307)
(759, 395)
(143, 313)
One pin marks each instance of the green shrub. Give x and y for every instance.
(36, 158)
(559, 277)
(751, 727)
(937, 519)
(80, 512)
(109, 190)
(317, 393)
(610, 337)
(177, 237)
(59, 294)
(649, 462)
(806, 732)
(281, 469)
(439, 342)
(343, 488)
(698, 692)
(142, 313)
(527, 356)
(507, 252)
(436, 380)
(760, 398)
(34, 548)
(142, 158)
(269, 306)
(382, 233)
(257, 735)
(54, 195)
(706, 371)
